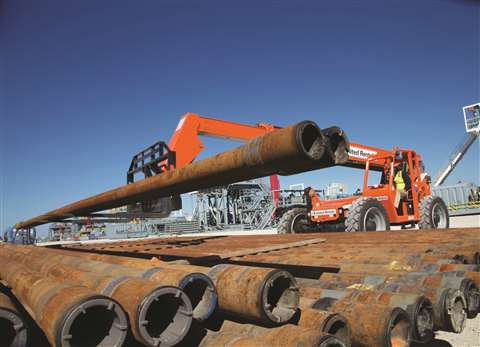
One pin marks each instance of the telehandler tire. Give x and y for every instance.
(367, 214)
(433, 213)
(293, 221)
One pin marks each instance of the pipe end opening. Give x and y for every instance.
(338, 326)
(398, 332)
(455, 311)
(202, 293)
(339, 144)
(311, 140)
(13, 330)
(95, 321)
(280, 297)
(164, 317)
(472, 297)
(423, 320)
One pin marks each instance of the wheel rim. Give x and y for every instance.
(439, 217)
(374, 220)
(299, 223)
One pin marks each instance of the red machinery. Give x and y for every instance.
(376, 208)
(380, 204)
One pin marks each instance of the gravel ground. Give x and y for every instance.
(470, 337)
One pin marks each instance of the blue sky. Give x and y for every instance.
(87, 84)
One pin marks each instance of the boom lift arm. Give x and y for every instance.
(471, 114)
(186, 144)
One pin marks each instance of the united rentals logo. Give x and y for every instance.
(362, 153)
(330, 212)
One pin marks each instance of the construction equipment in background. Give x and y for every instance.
(383, 201)
(380, 204)
(471, 114)
(462, 198)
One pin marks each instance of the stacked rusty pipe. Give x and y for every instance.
(448, 280)
(69, 315)
(13, 326)
(158, 315)
(382, 324)
(418, 307)
(287, 151)
(325, 321)
(197, 286)
(269, 295)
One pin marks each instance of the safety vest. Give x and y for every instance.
(399, 182)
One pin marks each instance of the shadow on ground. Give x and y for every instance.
(434, 343)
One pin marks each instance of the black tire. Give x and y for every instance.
(361, 213)
(294, 221)
(433, 213)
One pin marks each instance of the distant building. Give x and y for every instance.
(336, 190)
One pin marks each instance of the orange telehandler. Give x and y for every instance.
(379, 206)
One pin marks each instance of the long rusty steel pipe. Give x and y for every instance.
(13, 326)
(297, 148)
(69, 315)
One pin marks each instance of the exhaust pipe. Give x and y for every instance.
(268, 295)
(286, 151)
(13, 327)
(69, 315)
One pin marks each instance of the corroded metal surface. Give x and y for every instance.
(268, 295)
(198, 287)
(285, 336)
(68, 314)
(384, 286)
(290, 150)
